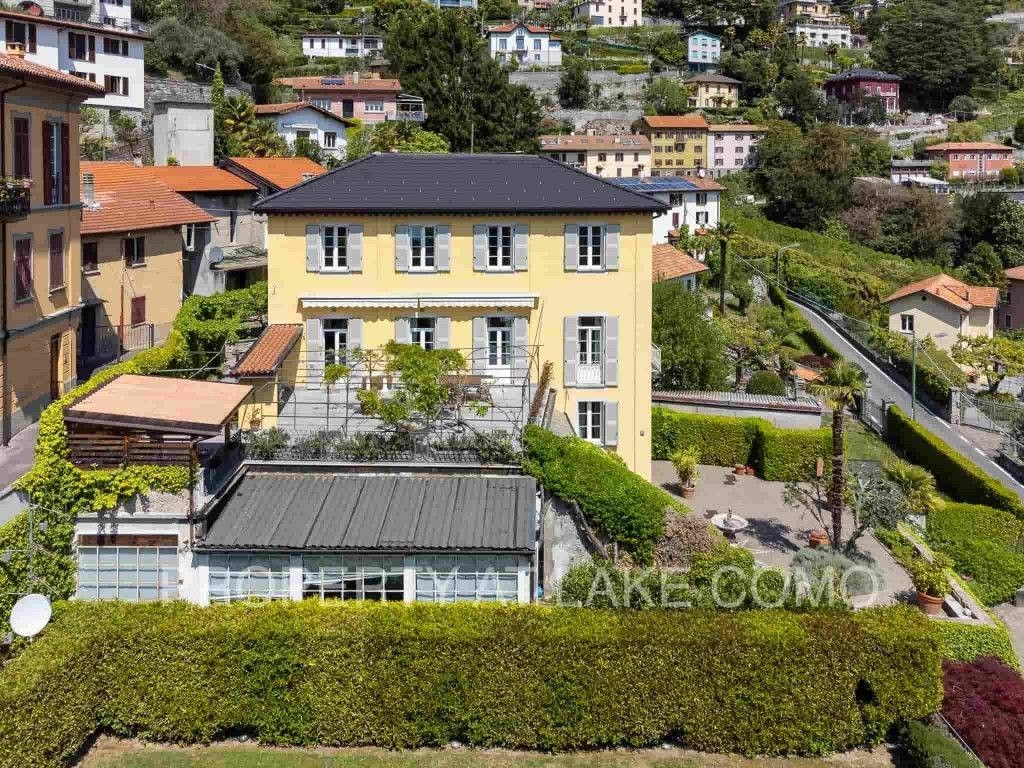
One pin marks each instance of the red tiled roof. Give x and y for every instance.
(365, 84)
(282, 172)
(17, 66)
(294, 106)
(736, 128)
(1015, 273)
(675, 121)
(131, 198)
(270, 350)
(611, 141)
(967, 146)
(199, 178)
(533, 28)
(670, 263)
(953, 291)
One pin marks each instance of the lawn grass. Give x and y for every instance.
(110, 753)
(864, 445)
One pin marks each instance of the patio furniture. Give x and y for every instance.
(468, 387)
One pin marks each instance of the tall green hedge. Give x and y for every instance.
(618, 502)
(777, 453)
(757, 682)
(954, 474)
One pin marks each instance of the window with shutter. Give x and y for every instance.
(56, 260)
(22, 148)
(90, 257)
(23, 269)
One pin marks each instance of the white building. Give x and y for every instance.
(303, 120)
(609, 13)
(817, 34)
(334, 45)
(527, 44)
(694, 203)
(98, 42)
(609, 155)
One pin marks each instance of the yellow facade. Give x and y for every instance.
(715, 95)
(623, 293)
(40, 356)
(678, 150)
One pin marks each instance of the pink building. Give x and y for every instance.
(370, 98)
(849, 87)
(971, 160)
(1010, 315)
(731, 147)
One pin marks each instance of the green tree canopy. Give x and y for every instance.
(692, 344)
(666, 96)
(993, 218)
(574, 85)
(981, 266)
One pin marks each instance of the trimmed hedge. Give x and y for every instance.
(618, 502)
(818, 344)
(776, 453)
(524, 677)
(954, 474)
(925, 746)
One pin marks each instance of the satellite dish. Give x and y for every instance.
(30, 615)
(216, 254)
(701, 173)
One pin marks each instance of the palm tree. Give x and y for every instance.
(838, 386)
(916, 483)
(262, 140)
(238, 114)
(725, 231)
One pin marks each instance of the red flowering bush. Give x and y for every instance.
(984, 702)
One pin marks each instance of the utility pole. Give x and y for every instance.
(913, 374)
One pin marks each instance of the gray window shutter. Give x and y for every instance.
(479, 247)
(443, 248)
(314, 353)
(571, 355)
(312, 247)
(610, 414)
(355, 248)
(572, 247)
(520, 349)
(520, 247)
(610, 351)
(403, 331)
(479, 352)
(354, 335)
(443, 333)
(403, 249)
(611, 246)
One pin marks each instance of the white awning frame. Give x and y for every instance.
(408, 301)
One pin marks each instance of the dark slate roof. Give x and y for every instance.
(381, 512)
(862, 73)
(458, 183)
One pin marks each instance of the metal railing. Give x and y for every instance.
(15, 201)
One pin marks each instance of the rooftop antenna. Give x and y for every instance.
(30, 615)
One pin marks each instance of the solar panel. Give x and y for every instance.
(654, 184)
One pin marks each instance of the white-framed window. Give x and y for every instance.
(421, 245)
(591, 246)
(374, 106)
(322, 103)
(353, 577)
(240, 577)
(675, 199)
(456, 578)
(499, 246)
(589, 338)
(702, 217)
(907, 323)
(503, 44)
(330, 139)
(334, 250)
(135, 574)
(335, 332)
(189, 236)
(590, 421)
(422, 332)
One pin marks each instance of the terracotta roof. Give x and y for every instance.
(676, 121)
(199, 178)
(615, 142)
(953, 146)
(535, 29)
(294, 106)
(670, 263)
(270, 350)
(101, 29)
(282, 172)
(341, 83)
(736, 128)
(953, 291)
(862, 73)
(1015, 273)
(17, 66)
(708, 77)
(131, 198)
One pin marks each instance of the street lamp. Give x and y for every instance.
(913, 369)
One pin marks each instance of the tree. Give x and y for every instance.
(191, 47)
(749, 345)
(574, 85)
(726, 231)
(801, 102)
(127, 132)
(992, 218)
(93, 145)
(982, 266)
(994, 357)
(839, 385)
(262, 140)
(963, 107)
(666, 96)
(310, 149)
(1018, 131)
(692, 344)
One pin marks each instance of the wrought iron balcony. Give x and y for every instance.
(15, 200)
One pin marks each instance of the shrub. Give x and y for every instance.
(925, 746)
(766, 383)
(618, 502)
(931, 577)
(984, 702)
(265, 444)
(790, 454)
(685, 536)
(631, 69)
(953, 472)
(847, 578)
(723, 441)
(523, 677)
(818, 344)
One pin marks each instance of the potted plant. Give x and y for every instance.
(817, 539)
(931, 580)
(685, 461)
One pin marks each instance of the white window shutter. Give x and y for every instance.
(443, 247)
(314, 353)
(355, 248)
(520, 247)
(571, 355)
(572, 247)
(610, 351)
(443, 333)
(403, 248)
(312, 248)
(611, 246)
(479, 351)
(354, 335)
(403, 331)
(479, 247)
(520, 349)
(610, 427)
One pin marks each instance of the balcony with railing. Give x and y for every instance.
(15, 199)
(83, 15)
(410, 109)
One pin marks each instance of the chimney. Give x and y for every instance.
(17, 50)
(88, 188)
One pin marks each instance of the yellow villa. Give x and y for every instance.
(679, 143)
(514, 260)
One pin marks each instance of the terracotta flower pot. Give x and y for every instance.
(740, 470)
(751, 471)
(817, 539)
(689, 491)
(930, 604)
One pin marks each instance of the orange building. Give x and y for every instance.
(971, 160)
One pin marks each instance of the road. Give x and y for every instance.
(883, 387)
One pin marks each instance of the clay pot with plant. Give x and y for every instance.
(931, 580)
(686, 462)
